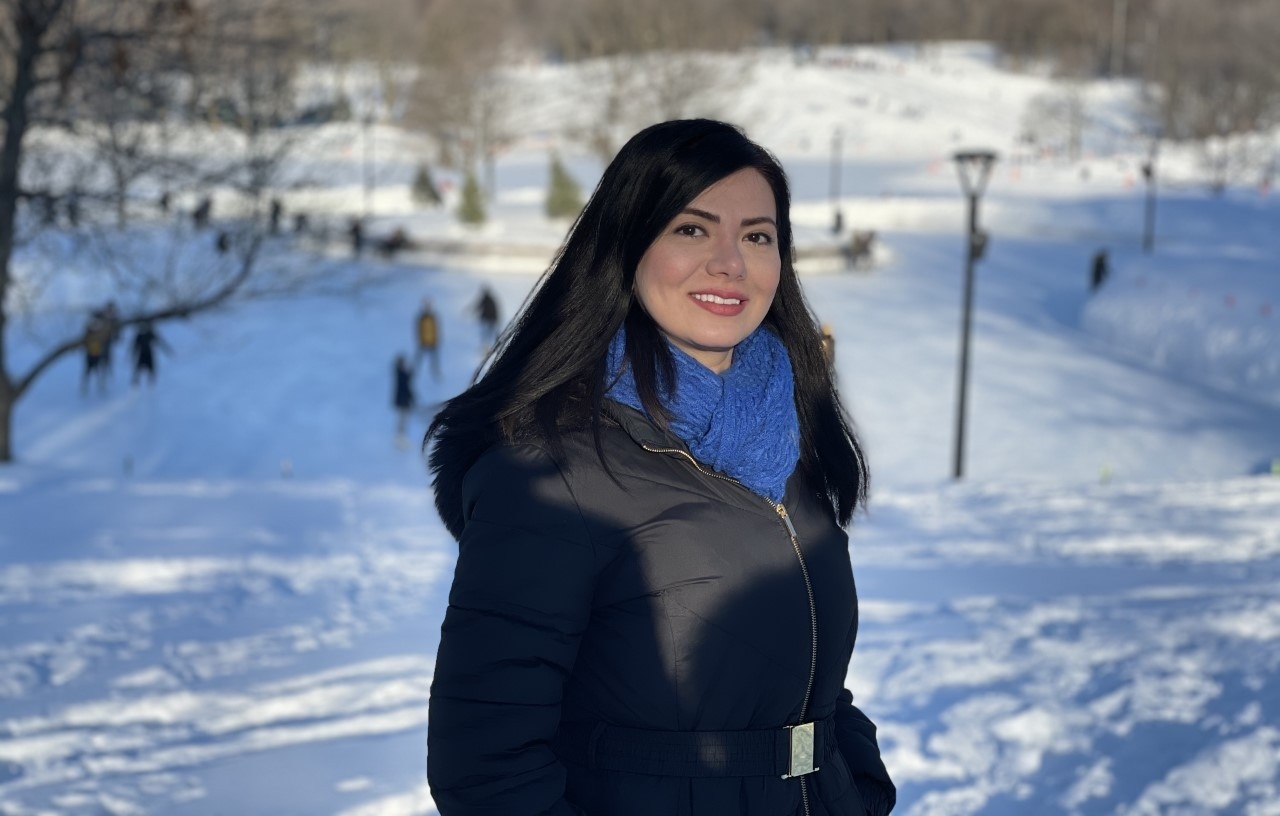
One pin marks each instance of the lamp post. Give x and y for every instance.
(1149, 176)
(366, 164)
(974, 167)
(836, 171)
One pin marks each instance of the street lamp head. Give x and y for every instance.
(974, 167)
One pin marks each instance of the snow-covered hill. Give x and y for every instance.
(223, 594)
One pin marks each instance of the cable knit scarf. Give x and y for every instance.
(742, 422)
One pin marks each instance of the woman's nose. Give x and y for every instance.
(726, 260)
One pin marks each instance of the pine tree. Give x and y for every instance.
(564, 197)
(471, 209)
(424, 188)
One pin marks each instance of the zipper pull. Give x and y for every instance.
(786, 519)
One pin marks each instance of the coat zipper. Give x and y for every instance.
(813, 634)
(781, 512)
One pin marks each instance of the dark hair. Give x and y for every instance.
(547, 373)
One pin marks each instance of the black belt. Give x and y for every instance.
(778, 752)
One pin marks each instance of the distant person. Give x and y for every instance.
(828, 344)
(1099, 271)
(277, 210)
(859, 248)
(395, 242)
(428, 336)
(402, 398)
(486, 309)
(145, 343)
(95, 341)
(299, 223)
(202, 213)
(109, 316)
(356, 234)
(48, 210)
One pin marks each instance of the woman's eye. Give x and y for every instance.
(691, 230)
(761, 238)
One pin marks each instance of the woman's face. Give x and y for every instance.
(709, 278)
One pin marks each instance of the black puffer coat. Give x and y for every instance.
(671, 600)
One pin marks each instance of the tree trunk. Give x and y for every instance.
(29, 28)
(6, 420)
(14, 117)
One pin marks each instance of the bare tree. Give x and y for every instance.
(1056, 120)
(459, 95)
(108, 77)
(654, 60)
(1213, 80)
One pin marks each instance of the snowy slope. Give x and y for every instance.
(184, 646)
(223, 594)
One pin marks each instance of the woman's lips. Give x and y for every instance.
(724, 305)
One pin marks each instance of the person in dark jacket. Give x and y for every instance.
(486, 309)
(402, 398)
(1098, 270)
(653, 609)
(145, 342)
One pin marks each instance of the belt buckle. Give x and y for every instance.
(801, 740)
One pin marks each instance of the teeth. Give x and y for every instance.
(716, 299)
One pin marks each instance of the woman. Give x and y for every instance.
(653, 610)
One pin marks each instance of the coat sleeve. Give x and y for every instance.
(520, 600)
(856, 735)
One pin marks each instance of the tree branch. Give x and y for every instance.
(180, 310)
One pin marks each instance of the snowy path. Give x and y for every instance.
(1025, 649)
(1040, 650)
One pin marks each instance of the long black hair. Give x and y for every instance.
(547, 373)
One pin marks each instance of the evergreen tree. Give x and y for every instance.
(471, 209)
(564, 198)
(424, 188)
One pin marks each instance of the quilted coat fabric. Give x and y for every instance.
(662, 597)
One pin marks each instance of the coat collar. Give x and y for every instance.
(648, 435)
(640, 428)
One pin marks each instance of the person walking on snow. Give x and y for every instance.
(145, 342)
(402, 398)
(1099, 270)
(97, 334)
(428, 334)
(486, 309)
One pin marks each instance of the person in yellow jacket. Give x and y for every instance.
(96, 342)
(428, 326)
(828, 344)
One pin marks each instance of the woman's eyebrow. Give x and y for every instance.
(715, 219)
(712, 217)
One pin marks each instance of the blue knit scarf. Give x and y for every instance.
(741, 423)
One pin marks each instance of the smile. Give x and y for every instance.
(717, 299)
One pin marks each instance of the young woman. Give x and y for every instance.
(653, 610)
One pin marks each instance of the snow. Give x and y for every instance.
(223, 593)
